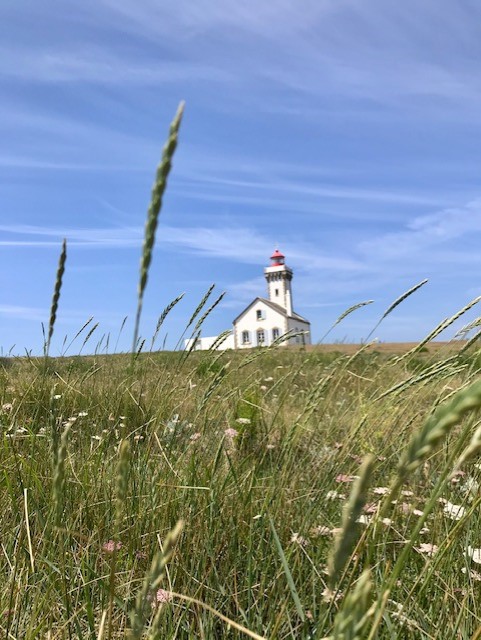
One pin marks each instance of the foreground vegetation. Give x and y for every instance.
(266, 494)
(255, 454)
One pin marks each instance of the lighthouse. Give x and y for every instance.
(279, 278)
(266, 321)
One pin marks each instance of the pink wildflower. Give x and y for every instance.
(111, 546)
(342, 477)
(231, 433)
(370, 507)
(195, 436)
(162, 596)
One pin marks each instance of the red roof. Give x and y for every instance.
(277, 254)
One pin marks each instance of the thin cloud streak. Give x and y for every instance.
(100, 66)
(423, 233)
(23, 313)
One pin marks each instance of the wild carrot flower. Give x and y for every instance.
(426, 548)
(474, 575)
(231, 433)
(380, 491)
(333, 495)
(328, 595)
(363, 519)
(298, 539)
(320, 530)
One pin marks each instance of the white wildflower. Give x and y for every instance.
(334, 495)
(474, 554)
(426, 548)
(298, 539)
(474, 575)
(454, 511)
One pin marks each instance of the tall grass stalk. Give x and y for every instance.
(153, 212)
(147, 595)
(344, 314)
(56, 295)
(349, 531)
(442, 326)
(396, 303)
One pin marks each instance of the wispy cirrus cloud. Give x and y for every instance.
(337, 51)
(248, 246)
(433, 236)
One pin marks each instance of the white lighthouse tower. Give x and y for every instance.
(279, 278)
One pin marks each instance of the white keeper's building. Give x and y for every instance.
(265, 320)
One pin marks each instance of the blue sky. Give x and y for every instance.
(346, 132)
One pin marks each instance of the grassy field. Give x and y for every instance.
(256, 454)
(275, 493)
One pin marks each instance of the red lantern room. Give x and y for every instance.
(277, 258)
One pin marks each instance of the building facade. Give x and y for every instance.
(266, 320)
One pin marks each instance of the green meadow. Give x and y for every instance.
(269, 493)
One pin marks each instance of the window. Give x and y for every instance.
(298, 338)
(276, 292)
(260, 315)
(245, 337)
(275, 333)
(260, 337)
